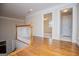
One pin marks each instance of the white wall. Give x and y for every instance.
(37, 20)
(78, 24)
(8, 31)
(37, 24)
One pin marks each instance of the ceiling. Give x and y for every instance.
(66, 12)
(20, 10)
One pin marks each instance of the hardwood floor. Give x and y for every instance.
(42, 47)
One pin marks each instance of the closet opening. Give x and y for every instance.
(48, 25)
(66, 24)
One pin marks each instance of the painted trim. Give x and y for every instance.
(8, 18)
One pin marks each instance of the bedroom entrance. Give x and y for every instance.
(48, 25)
(66, 24)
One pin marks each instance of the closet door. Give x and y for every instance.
(23, 36)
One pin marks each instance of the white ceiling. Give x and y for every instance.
(20, 10)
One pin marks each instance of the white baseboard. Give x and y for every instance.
(66, 39)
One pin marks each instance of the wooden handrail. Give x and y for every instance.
(22, 41)
(23, 25)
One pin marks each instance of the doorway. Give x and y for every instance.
(66, 24)
(48, 25)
